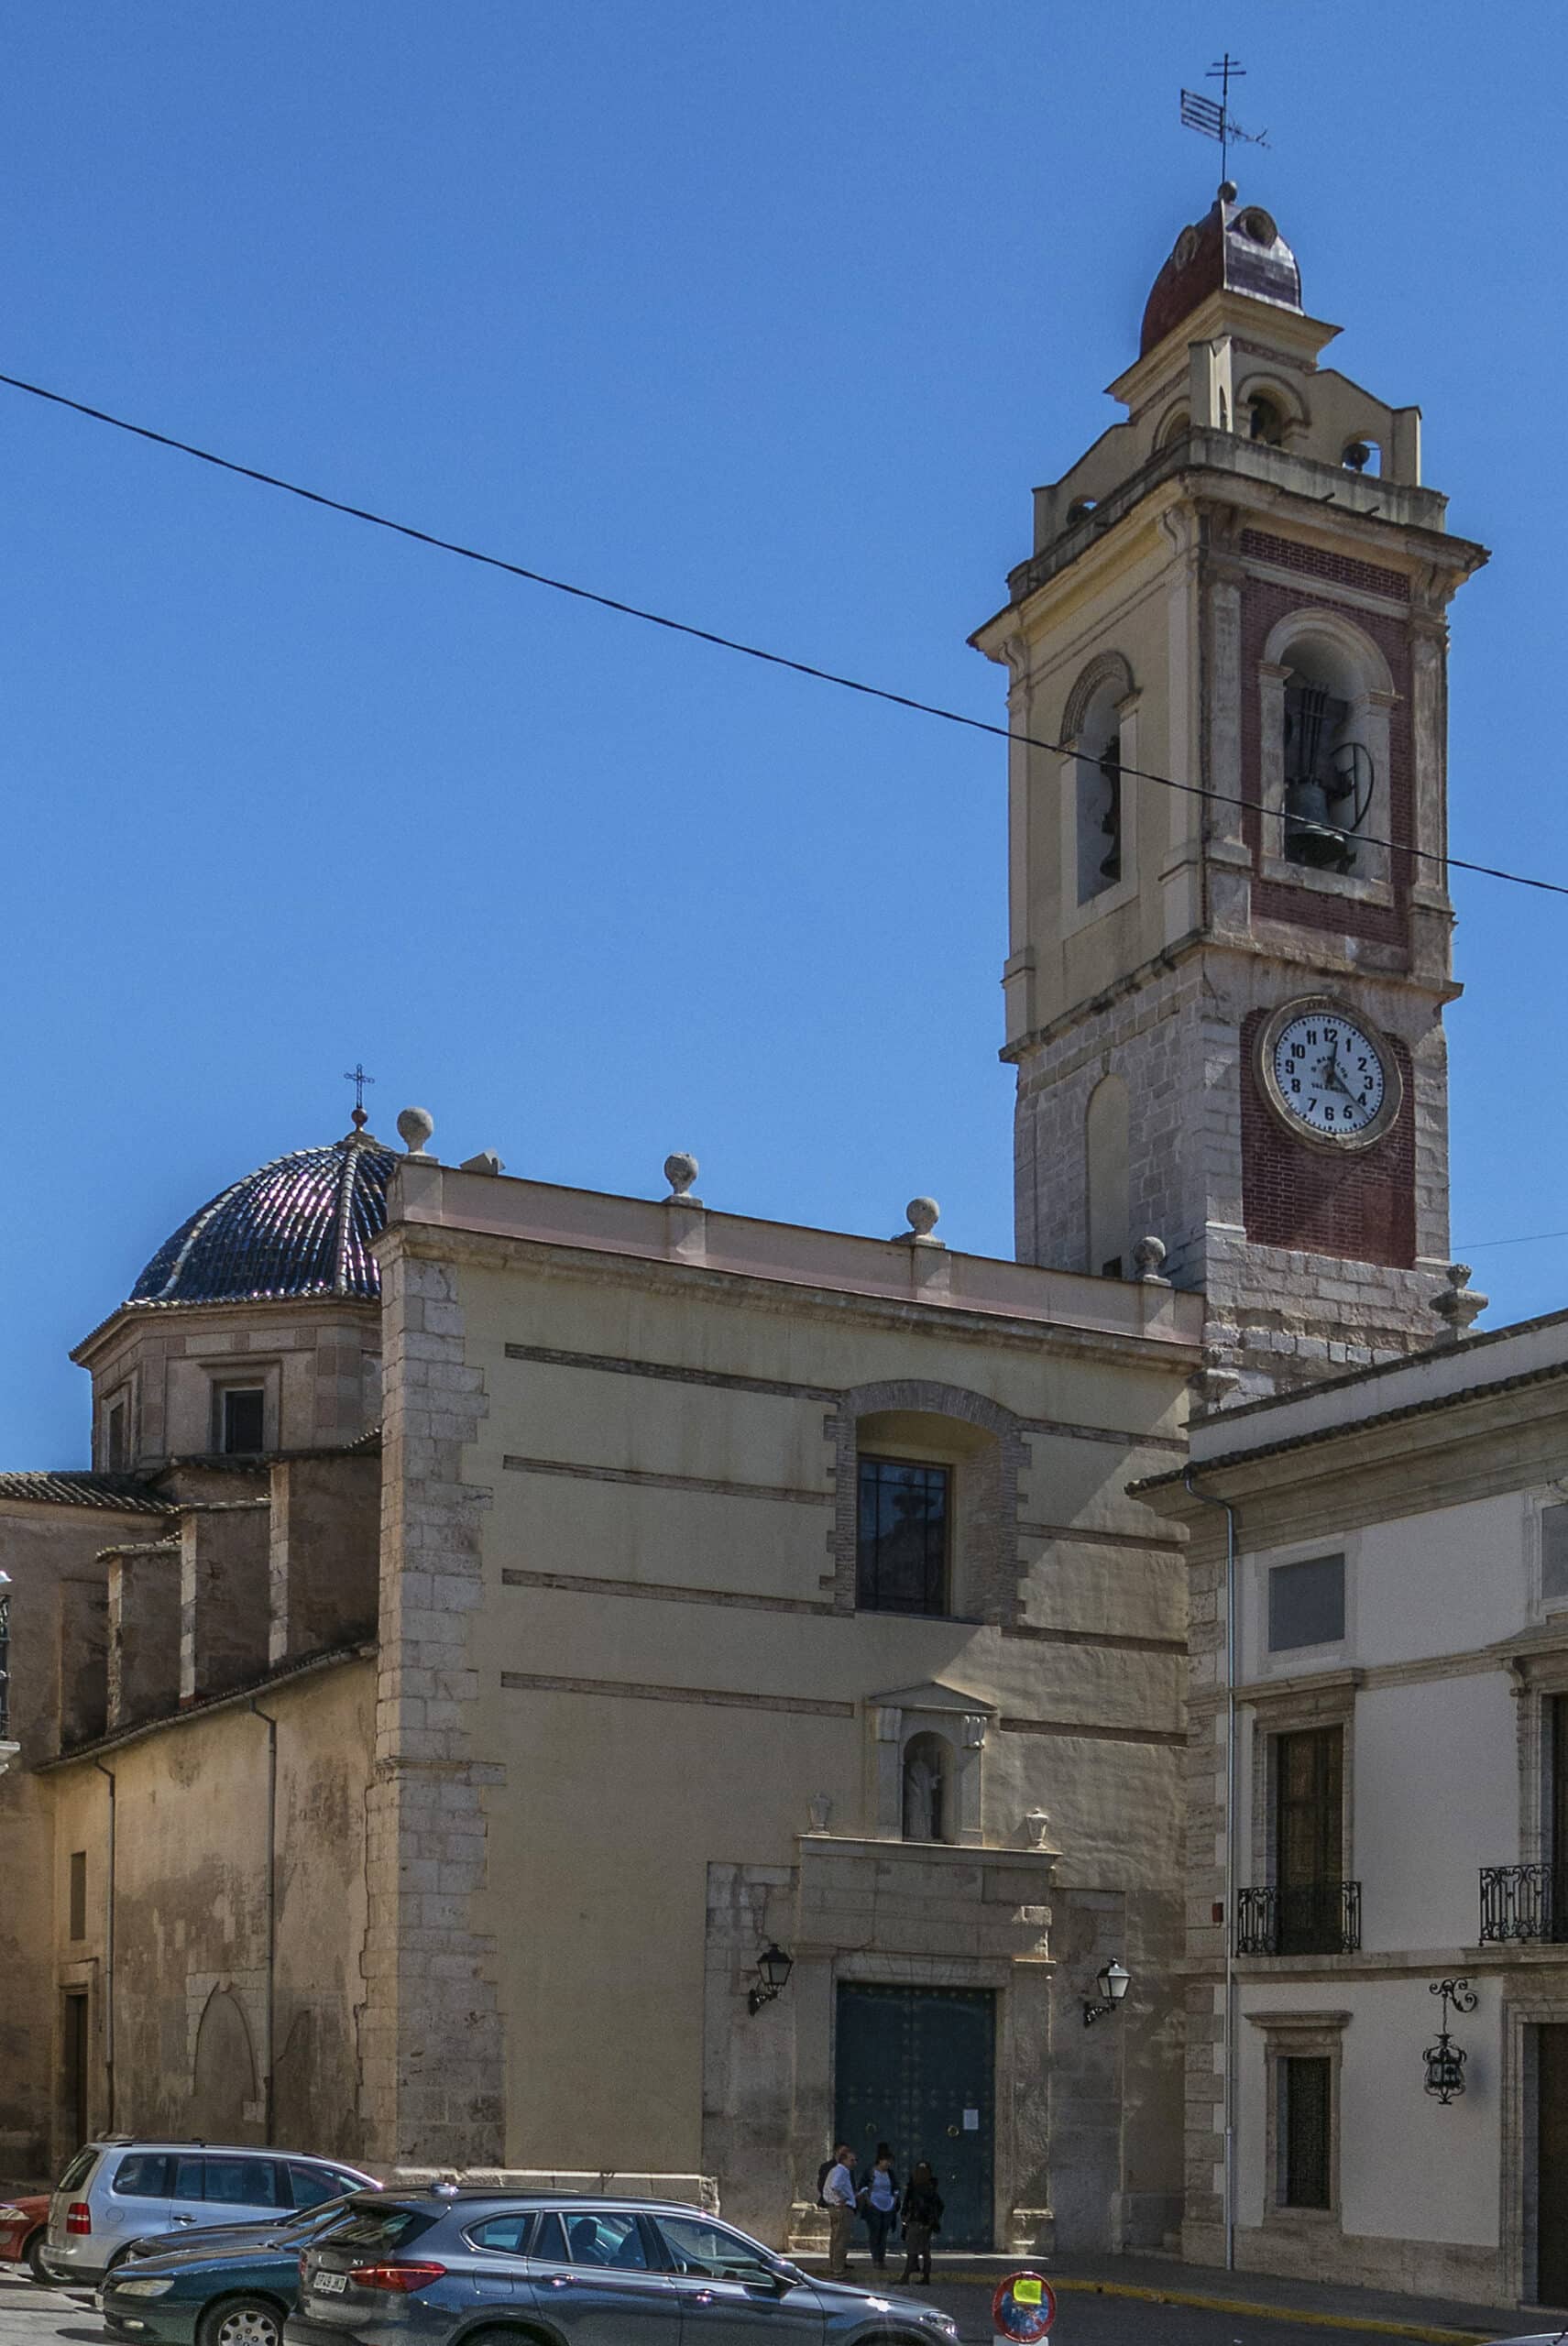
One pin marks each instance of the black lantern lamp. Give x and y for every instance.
(774, 1968)
(1113, 1983)
(1444, 2059)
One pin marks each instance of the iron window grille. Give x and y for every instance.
(1305, 1918)
(902, 1547)
(4, 1665)
(1517, 1903)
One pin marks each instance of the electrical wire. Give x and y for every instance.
(723, 643)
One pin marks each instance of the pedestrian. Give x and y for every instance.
(839, 2198)
(880, 2205)
(922, 2218)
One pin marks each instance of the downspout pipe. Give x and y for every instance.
(270, 2016)
(109, 1950)
(1228, 2021)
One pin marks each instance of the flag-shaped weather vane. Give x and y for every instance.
(1213, 117)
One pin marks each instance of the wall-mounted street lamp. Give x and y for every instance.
(1113, 1983)
(1444, 2059)
(774, 1968)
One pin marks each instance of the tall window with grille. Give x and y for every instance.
(902, 1542)
(1308, 1840)
(1305, 2087)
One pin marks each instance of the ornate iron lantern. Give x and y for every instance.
(1114, 1982)
(1444, 2059)
(774, 1968)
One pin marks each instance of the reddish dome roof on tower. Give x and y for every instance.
(1234, 245)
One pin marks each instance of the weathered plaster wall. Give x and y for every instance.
(50, 1553)
(191, 1909)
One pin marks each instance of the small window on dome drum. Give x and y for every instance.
(241, 1418)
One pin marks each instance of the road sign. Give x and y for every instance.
(1024, 2308)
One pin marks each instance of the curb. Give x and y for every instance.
(1304, 2314)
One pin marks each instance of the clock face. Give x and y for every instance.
(1329, 1077)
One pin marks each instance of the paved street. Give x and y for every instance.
(32, 2317)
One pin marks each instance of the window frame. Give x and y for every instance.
(232, 1389)
(1292, 2037)
(1272, 1574)
(946, 1469)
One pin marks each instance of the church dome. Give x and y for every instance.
(301, 1226)
(1236, 246)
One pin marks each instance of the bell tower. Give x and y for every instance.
(1225, 1001)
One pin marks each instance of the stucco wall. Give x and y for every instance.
(190, 1907)
(663, 1674)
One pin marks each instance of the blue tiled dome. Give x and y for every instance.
(300, 1227)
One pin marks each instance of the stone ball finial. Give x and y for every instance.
(923, 1214)
(415, 1126)
(1149, 1257)
(681, 1170)
(1228, 190)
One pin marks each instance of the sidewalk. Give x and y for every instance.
(1159, 2280)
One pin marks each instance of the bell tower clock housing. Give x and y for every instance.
(1225, 1011)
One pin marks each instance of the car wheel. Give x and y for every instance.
(33, 2258)
(242, 2321)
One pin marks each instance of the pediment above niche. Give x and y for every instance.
(933, 1696)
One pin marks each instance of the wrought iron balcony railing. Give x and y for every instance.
(1304, 1918)
(1517, 1902)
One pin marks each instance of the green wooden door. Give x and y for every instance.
(915, 2067)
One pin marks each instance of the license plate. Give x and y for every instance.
(331, 2285)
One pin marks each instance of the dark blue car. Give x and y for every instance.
(236, 2291)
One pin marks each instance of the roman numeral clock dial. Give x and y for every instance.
(1328, 1076)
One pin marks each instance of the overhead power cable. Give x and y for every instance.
(723, 643)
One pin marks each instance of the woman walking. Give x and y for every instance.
(880, 2205)
(922, 2218)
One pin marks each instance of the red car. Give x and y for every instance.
(23, 2223)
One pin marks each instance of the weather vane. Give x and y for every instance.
(1213, 117)
(358, 1077)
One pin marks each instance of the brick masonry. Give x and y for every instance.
(430, 2034)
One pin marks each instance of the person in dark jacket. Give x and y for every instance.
(922, 2218)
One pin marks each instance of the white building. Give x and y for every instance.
(1378, 1803)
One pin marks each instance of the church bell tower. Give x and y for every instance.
(1225, 1001)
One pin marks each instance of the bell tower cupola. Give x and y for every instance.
(1230, 946)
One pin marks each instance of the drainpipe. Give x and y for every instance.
(270, 1724)
(109, 1952)
(1228, 2024)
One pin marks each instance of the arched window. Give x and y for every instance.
(927, 1788)
(1098, 794)
(1106, 1149)
(1266, 420)
(1327, 696)
(1177, 421)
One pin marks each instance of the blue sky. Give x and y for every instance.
(769, 316)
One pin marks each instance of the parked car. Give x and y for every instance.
(23, 2223)
(224, 2289)
(293, 2231)
(432, 2268)
(119, 2190)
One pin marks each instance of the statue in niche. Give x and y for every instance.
(925, 1789)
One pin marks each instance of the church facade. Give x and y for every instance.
(573, 1684)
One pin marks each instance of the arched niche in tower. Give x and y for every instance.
(1325, 698)
(1098, 731)
(1106, 1146)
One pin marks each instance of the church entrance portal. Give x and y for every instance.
(915, 2067)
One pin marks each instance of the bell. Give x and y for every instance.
(1310, 836)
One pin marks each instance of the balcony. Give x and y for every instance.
(1517, 1903)
(1302, 1918)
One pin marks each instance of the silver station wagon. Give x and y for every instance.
(116, 2191)
(470, 2268)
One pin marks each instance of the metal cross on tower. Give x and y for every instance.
(359, 1079)
(1214, 117)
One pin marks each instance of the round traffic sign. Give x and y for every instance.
(1024, 2308)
